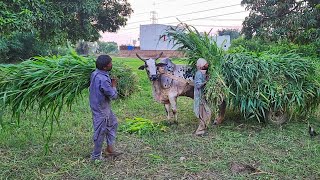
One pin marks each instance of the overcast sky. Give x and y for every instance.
(203, 14)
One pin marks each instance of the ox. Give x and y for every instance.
(170, 81)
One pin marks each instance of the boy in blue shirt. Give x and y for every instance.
(105, 123)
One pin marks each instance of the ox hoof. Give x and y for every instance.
(170, 123)
(203, 134)
(215, 123)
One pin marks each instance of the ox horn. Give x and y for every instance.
(143, 59)
(158, 56)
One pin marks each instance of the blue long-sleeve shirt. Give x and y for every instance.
(101, 93)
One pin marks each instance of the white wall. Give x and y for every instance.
(222, 41)
(150, 34)
(149, 37)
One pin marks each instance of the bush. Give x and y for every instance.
(256, 46)
(108, 47)
(20, 46)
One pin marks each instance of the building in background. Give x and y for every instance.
(152, 37)
(153, 41)
(222, 41)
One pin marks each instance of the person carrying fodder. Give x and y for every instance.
(201, 108)
(105, 123)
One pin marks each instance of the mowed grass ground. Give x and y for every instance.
(278, 152)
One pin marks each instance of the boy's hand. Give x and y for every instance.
(114, 82)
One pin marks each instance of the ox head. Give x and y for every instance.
(151, 66)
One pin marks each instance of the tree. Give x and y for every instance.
(56, 20)
(297, 21)
(233, 33)
(108, 47)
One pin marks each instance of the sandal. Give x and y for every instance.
(113, 154)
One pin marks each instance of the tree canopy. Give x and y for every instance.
(233, 33)
(57, 20)
(295, 20)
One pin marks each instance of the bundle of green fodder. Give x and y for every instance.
(141, 126)
(50, 83)
(285, 83)
(197, 45)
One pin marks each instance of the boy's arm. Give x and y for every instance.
(110, 92)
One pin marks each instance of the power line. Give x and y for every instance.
(194, 12)
(194, 19)
(200, 11)
(198, 2)
(225, 19)
(142, 13)
(208, 17)
(155, 4)
(170, 1)
(198, 25)
(203, 25)
(161, 2)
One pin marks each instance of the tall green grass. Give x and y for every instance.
(272, 83)
(47, 84)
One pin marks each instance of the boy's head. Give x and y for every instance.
(104, 62)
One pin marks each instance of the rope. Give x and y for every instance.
(178, 79)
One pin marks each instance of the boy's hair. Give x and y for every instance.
(102, 61)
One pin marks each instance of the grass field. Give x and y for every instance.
(276, 152)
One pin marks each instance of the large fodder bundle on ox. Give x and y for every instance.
(256, 83)
(50, 83)
(202, 45)
(284, 83)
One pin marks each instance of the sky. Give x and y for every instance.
(204, 15)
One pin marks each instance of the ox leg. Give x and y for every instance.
(167, 107)
(173, 102)
(222, 111)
